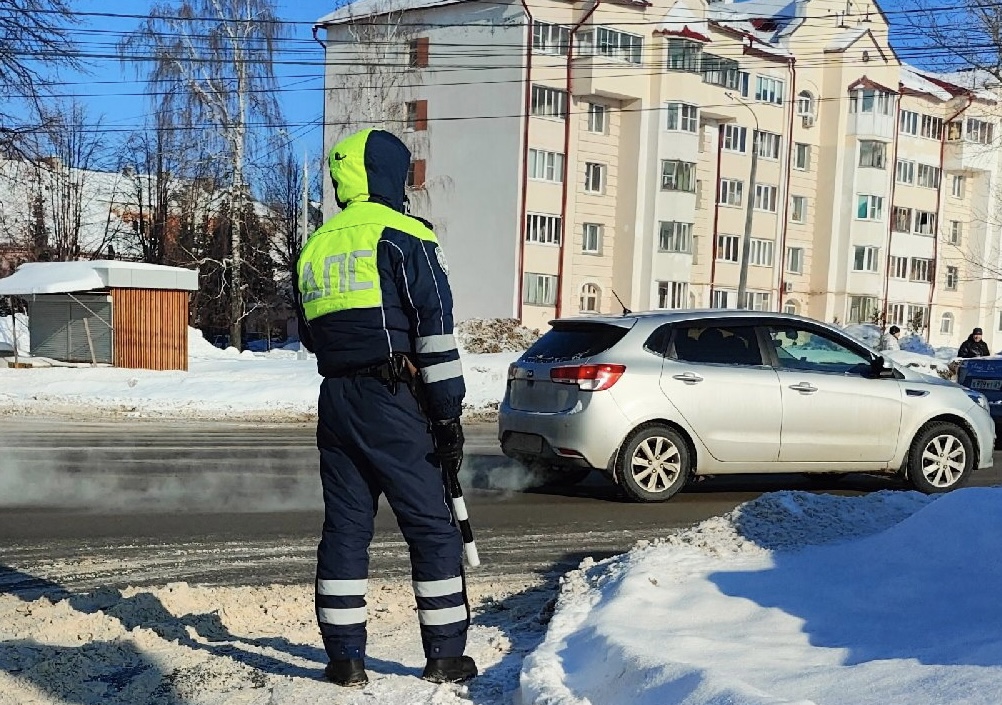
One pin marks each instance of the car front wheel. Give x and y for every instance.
(941, 458)
(655, 463)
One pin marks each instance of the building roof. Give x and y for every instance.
(370, 8)
(913, 80)
(72, 277)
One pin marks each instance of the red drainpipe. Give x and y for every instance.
(716, 214)
(525, 158)
(789, 177)
(890, 227)
(939, 207)
(567, 156)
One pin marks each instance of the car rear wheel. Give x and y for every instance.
(654, 464)
(941, 458)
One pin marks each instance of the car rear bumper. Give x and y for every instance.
(587, 437)
(985, 426)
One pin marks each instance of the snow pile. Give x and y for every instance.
(8, 327)
(866, 333)
(495, 335)
(791, 598)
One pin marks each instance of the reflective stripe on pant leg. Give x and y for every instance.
(441, 602)
(345, 593)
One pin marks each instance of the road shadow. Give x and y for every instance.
(144, 610)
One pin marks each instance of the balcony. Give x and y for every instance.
(963, 155)
(608, 78)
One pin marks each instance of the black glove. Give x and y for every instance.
(448, 437)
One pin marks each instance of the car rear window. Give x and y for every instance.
(574, 342)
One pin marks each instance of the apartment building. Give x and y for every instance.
(578, 157)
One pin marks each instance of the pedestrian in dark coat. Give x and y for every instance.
(974, 346)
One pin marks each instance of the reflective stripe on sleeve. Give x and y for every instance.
(435, 344)
(439, 588)
(447, 615)
(343, 588)
(355, 615)
(442, 372)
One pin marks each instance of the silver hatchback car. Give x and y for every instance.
(653, 399)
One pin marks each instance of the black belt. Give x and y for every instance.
(391, 372)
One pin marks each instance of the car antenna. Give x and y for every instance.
(626, 311)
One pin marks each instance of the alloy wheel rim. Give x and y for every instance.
(943, 460)
(656, 464)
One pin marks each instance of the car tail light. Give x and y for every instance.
(511, 371)
(590, 378)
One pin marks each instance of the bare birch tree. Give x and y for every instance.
(222, 53)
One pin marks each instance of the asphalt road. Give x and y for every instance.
(140, 503)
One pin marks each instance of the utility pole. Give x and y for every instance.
(301, 353)
(749, 211)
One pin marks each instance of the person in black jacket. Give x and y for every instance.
(974, 346)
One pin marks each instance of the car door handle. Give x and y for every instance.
(804, 388)
(688, 377)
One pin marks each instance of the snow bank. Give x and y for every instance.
(7, 330)
(791, 598)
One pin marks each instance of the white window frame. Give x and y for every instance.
(870, 100)
(929, 227)
(958, 186)
(927, 176)
(908, 123)
(540, 289)
(946, 323)
(865, 258)
(956, 232)
(802, 156)
(681, 174)
(904, 171)
(591, 292)
(684, 55)
(760, 300)
(598, 118)
(766, 196)
(729, 246)
(931, 127)
(595, 177)
(861, 308)
(546, 166)
(549, 103)
(769, 90)
(951, 278)
(920, 270)
(731, 192)
(896, 314)
(897, 268)
(805, 104)
(549, 38)
(798, 209)
(543, 228)
(795, 260)
(735, 138)
(901, 227)
(681, 117)
(768, 144)
(673, 295)
(872, 154)
(591, 238)
(723, 298)
(979, 131)
(761, 253)
(874, 207)
(913, 312)
(674, 236)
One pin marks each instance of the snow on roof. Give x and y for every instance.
(846, 39)
(681, 21)
(913, 80)
(69, 277)
(369, 8)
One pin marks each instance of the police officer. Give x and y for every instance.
(376, 308)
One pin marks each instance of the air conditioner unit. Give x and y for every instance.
(808, 120)
(787, 287)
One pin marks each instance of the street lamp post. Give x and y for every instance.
(749, 210)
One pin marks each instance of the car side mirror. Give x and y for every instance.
(879, 369)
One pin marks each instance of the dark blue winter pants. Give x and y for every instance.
(375, 442)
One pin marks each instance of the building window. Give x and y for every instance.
(678, 175)
(898, 268)
(416, 172)
(682, 117)
(722, 298)
(908, 124)
(612, 44)
(870, 207)
(673, 294)
(768, 90)
(932, 127)
(675, 237)
(591, 238)
(862, 309)
(805, 104)
(905, 171)
(540, 289)
(546, 166)
(417, 115)
(956, 232)
(901, 219)
(760, 253)
(952, 278)
(946, 324)
(928, 176)
(594, 177)
(957, 187)
(417, 53)
(550, 38)
(684, 55)
(798, 212)
(731, 192)
(791, 308)
(802, 157)
(864, 258)
(759, 300)
(795, 260)
(925, 223)
(548, 102)
(718, 71)
(598, 118)
(918, 316)
(591, 299)
(765, 197)
(728, 247)
(734, 138)
(896, 314)
(869, 100)
(872, 154)
(542, 229)
(921, 270)
(768, 144)
(979, 131)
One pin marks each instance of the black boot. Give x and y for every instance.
(347, 672)
(455, 669)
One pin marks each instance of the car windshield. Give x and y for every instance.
(574, 341)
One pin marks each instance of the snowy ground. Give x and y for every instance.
(793, 598)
